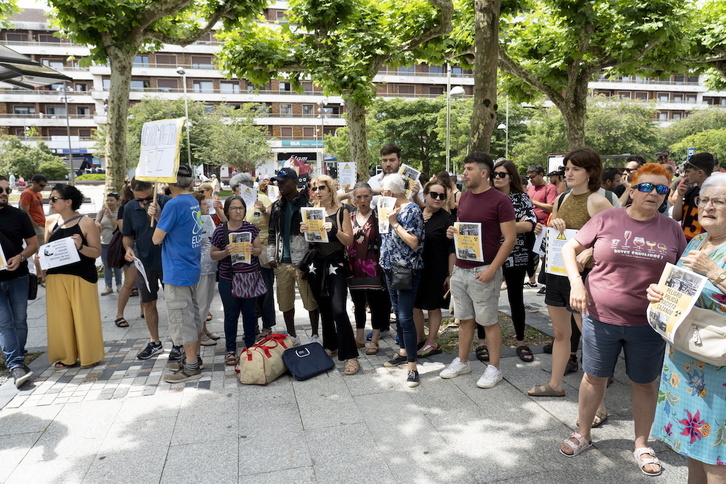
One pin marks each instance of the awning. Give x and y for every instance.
(20, 70)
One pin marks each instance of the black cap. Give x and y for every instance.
(555, 173)
(184, 170)
(285, 174)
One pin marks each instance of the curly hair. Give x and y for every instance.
(69, 192)
(328, 182)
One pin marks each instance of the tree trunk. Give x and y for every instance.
(356, 121)
(574, 110)
(121, 63)
(486, 45)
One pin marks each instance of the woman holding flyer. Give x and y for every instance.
(240, 280)
(72, 306)
(613, 303)
(402, 262)
(690, 419)
(327, 273)
(572, 210)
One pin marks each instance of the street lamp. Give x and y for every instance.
(321, 109)
(505, 127)
(456, 91)
(64, 89)
(183, 75)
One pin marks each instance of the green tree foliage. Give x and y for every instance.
(53, 169)
(340, 45)
(697, 122)
(706, 42)
(116, 30)
(7, 9)
(24, 160)
(711, 140)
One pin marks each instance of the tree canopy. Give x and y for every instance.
(20, 159)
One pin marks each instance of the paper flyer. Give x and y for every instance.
(314, 217)
(140, 267)
(385, 207)
(273, 192)
(240, 241)
(467, 241)
(346, 175)
(58, 253)
(249, 195)
(555, 240)
(681, 288)
(410, 173)
(3, 260)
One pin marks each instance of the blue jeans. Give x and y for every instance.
(109, 272)
(14, 320)
(233, 306)
(267, 300)
(404, 314)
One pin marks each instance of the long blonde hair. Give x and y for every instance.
(328, 182)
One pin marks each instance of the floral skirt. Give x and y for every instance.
(691, 412)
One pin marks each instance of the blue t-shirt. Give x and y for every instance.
(181, 219)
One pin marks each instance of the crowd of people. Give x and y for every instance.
(401, 249)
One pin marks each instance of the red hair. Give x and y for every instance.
(651, 169)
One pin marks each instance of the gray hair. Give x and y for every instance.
(395, 183)
(716, 180)
(362, 184)
(241, 179)
(184, 181)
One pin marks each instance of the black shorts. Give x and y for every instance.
(152, 293)
(558, 290)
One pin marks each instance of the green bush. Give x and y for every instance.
(53, 169)
(91, 177)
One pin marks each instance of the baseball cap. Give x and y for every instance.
(285, 174)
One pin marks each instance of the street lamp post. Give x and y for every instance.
(450, 92)
(322, 104)
(64, 89)
(505, 127)
(183, 75)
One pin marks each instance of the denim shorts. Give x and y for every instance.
(474, 299)
(602, 342)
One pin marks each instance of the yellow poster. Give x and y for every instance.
(555, 241)
(241, 243)
(467, 241)
(315, 219)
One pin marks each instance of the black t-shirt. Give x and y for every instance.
(137, 224)
(15, 225)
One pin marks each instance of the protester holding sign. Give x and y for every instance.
(74, 313)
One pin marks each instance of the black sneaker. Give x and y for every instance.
(572, 365)
(20, 375)
(547, 348)
(542, 291)
(179, 365)
(395, 361)
(176, 353)
(413, 379)
(152, 349)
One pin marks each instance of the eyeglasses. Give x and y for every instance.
(437, 195)
(7, 190)
(55, 199)
(147, 199)
(236, 209)
(318, 188)
(649, 187)
(503, 174)
(716, 202)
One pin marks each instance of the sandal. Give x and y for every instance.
(372, 348)
(230, 359)
(351, 367)
(525, 354)
(599, 419)
(331, 353)
(358, 344)
(121, 322)
(209, 316)
(545, 391)
(578, 447)
(482, 353)
(59, 365)
(213, 336)
(646, 456)
(429, 350)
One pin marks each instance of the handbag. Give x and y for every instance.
(702, 335)
(115, 253)
(32, 286)
(307, 361)
(247, 285)
(262, 363)
(401, 278)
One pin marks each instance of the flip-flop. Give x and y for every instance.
(429, 350)
(121, 323)
(525, 354)
(482, 353)
(545, 391)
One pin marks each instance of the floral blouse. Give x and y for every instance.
(394, 251)
(523, 212)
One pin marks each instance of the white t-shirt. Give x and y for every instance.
(375, 183)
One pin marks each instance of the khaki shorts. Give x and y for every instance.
(474, 299)
(40, 233)
(287, 275)
(185, 322)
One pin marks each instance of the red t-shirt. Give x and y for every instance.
(34, 200)
(546, 193)
(489, 208)
(629, 256)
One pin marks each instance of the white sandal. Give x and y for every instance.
(577, 448)
(649, 458)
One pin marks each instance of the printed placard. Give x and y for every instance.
(385, 207)
(410, 173)
(273, 192)
(314, 217)
(159, 157)
(346, 175)
(3, 260)
(467, 241)
(58, 253)
(555, 241)
(240, 241)
(249, 195)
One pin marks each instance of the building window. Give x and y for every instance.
(280, 16)
(691, 98)
(406, 89)
(166, 60)
(140, 86)
(203, 86)
(106, 84)
(48, 38)
(23, 110)
(85, 133)
(141, 61)
(663, 97)
(55, 110)
(436, 70)
(13, 37)
(229, 87)
(308, 110)
(209, 108)
(286, 110)
(624, 94)
(679, 79)
(308, 86)
(692, 80)
(662, 116)
(285, 86)
(457, 71)
(677, 98)
(407, 70)
(641, 96)
(53, 64)
(83, 111)
(676, 116)
(436, 90)
(286, 132)
(201, 62)
(81, 87)
(309, 132)
(167, 85)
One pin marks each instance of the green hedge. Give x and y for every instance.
(91, 177)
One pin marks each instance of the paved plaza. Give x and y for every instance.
(120, 422)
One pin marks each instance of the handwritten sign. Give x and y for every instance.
(160, 142)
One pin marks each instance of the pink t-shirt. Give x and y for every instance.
(490, 208)
(629, 256)
(546, 193)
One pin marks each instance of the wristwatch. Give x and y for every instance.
(721, 277)
(22, 258)
(395, 226)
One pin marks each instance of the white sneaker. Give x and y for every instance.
(295, 340)
(455, 369)
(315, 339)
(491, 377)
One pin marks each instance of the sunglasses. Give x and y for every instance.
(43, 186)
(318, 188)
(503, 174)
(531, 176)
(147, 199)
(437, 195)
(649, 187)
(629, 169)
(55, 199)
(7, 190)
